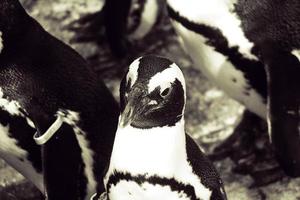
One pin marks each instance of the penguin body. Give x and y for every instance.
(277, 38)
(212, 36)
(153, 157)
(45, 85)
(238, 47)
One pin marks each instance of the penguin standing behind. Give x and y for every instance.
(122, 21)
(153, 157)
(47, 88)
(250, 49)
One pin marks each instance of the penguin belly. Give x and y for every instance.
(162, 172)
(218, 69)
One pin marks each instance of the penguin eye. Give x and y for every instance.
(165, 92)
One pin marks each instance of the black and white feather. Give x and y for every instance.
(250, 49)
(212, 35)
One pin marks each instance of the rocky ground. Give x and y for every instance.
(210, 115)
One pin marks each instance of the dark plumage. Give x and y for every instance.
(47, 78)
(274, 27)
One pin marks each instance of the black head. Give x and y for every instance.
(152, 94)
(12, 17)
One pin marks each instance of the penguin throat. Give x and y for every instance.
(160, 148)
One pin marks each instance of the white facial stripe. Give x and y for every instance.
(216, 13)
(133, 71)
(1, 42)
(166, 77)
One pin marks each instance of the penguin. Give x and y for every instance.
(123, 22)
(276, 37)
(57, 119)
(237, 44)
(153, 157)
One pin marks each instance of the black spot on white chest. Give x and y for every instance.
(127, 186)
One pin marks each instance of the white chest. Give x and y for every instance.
(155, 152)
(140, 151)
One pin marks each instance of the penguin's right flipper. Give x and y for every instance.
(61, 162)
(283, 70)
(204, 169)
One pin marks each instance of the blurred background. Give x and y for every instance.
(210, 115)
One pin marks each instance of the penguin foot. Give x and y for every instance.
(242, 142)
(262, 167)
(89, 28)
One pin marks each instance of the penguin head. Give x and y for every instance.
(12, 18)
(152, 93)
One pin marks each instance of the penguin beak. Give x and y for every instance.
(127, 116)
(134, 109)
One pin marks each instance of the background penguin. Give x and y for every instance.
(153, 157)
(120, 22)
(234, 43)
(44, 83)
(276, 35)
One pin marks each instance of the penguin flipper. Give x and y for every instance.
(283, 70)
(204, 168)
(62, 165)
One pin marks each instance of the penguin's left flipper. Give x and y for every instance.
(61, 162)
(205, 170)
(283, 70)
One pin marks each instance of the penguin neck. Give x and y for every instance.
(146, 150)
